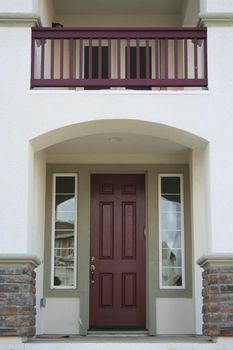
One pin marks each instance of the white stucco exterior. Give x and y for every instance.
(198, 120)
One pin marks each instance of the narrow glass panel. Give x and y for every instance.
(172, 238)
(170, 203)
(64, 258)
(171, 276)
(65, 215)
(65, 184)
(64, 220)
(63, 276)
(64, 235)
(171, 232)
(171, 257)
(171, 221)
(170, 184)
(65, 203)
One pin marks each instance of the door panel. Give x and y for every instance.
(117, 282)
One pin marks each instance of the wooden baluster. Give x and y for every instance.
(119, 58)
(99, 60)
(157, 58)
(42, 58)
(80, 58)
(90, 59)
(147, 60)
(71, 53)
(195, 59)
(52, 60)
(61, 57)
(185, 58)
(128, 59)
(138, 63)
(166, 59)
(109, 59)
(176, 58)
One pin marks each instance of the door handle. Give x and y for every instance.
(92, 268)
(92, 278)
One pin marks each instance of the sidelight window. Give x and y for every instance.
(64, 231)
(171, 231)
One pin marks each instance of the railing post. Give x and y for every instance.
(205, 59)
(32, 62)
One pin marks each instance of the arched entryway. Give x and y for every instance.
(162, 155)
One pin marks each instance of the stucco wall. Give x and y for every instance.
(118, 20)
(18, 6)
(216, 6)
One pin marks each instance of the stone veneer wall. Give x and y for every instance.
(217, 294)
(17, 295)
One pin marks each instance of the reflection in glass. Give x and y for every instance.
(171, 231)
(170, 184)
(65, 203)
(172, 238)
(64, 220)
(171, 221)
(171, 257)
(170, 203)
(64, 257)
(65, 184)
(171, 276)
(64, 235)
(65, 215)
(63, 276)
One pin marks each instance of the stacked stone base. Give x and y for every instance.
(217, 295)
(17, 297)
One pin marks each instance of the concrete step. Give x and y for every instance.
(115, 342)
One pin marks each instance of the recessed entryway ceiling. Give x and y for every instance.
(116, 143)
(118, 6)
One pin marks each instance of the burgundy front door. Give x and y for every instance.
(117, 276)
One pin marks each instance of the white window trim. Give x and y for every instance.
(182, 231)
(55, 175)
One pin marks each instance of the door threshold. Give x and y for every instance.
(117, 333)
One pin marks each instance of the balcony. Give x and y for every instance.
(134, 58)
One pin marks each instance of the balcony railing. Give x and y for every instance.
(123, 57)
